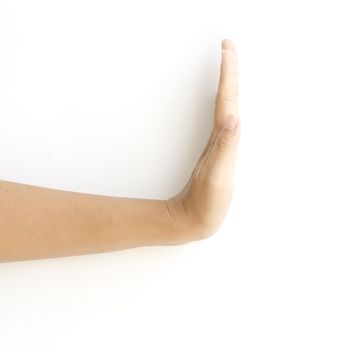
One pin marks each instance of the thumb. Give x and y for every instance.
(222, 155)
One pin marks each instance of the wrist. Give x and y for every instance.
(186, 227)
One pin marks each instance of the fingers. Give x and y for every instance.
(223, 152)
(227, 96)
(226, 101)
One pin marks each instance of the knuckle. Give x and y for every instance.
(221, 143)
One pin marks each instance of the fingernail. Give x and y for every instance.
(231, 122)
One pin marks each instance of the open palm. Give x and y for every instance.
(205, 199)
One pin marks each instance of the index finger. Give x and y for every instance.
(226, 101)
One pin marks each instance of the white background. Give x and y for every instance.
(116, 98)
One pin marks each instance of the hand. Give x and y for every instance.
(204, 201)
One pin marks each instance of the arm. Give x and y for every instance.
(38, 222)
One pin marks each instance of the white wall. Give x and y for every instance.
(116, 98)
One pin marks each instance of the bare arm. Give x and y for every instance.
(38, 222)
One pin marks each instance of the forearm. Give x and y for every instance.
(38, 222)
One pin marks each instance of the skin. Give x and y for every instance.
(38, 222)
